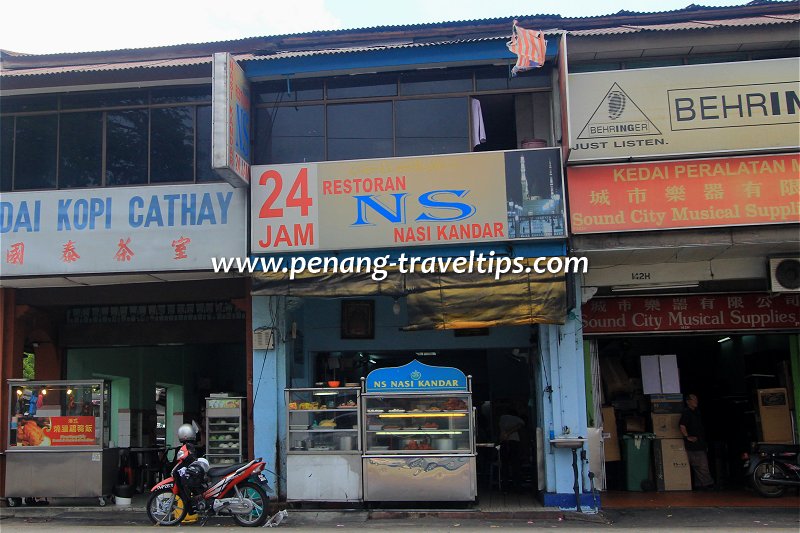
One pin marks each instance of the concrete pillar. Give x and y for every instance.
(173, 415)
(794, 351)
(12, 343)
(269, 382)
(561, 370)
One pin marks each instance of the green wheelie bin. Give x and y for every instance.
(636, 453)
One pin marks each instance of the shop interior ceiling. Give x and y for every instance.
(444, 300)
(687, 245)
(748, 248)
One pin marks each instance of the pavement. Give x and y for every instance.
(81, 516)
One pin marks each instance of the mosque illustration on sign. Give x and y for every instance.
(535, 207)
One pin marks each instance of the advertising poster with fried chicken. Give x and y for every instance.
(57, 431)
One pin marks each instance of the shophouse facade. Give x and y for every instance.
(110, 211)
(689, 218)
(117, 146)
(333, 104)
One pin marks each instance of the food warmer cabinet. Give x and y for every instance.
(58, 441)
(418, 426)
(224, 430)
(323, 461)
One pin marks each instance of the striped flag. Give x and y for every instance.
(530, 47)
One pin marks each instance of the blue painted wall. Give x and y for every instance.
(269, 382)
(561, 369)
(323, 318)
(318, 322)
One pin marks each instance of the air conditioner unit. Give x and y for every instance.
(784, 274)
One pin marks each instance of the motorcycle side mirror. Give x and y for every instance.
(195, 427)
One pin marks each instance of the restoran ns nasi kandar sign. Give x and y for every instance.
(407, 201)
(416, 377)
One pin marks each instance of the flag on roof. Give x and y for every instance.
(530, 47)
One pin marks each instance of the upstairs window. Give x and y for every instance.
(108, 138)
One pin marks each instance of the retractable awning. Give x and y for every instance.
(441, 300)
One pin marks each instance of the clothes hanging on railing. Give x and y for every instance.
(478, 129)
(530, 47)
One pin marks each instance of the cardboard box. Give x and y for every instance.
(660, 374)
(614, 376)
(775, 423)
(672, 465)
(634, 424)
(611, 449)
(667, 404)
(667, 426)
(670, 377)
(594, 438)
(651, 374)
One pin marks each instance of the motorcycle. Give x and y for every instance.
(238, 490)
(774, 469)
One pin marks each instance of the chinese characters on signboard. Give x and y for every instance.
(685, 194)
(56, 431)
(173, 227)
(710, 312)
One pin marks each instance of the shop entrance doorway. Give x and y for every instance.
(726, 371)
(161, 416)
(157, 388)
(502, 384)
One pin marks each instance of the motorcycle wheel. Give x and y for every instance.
(258, 496)
(767, 468)
(164, 508)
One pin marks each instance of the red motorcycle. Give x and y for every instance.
(773, 468)
(239, 491)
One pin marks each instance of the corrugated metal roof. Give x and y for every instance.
(690, 25)
(355, 49)
(161, 63)
(393, 37)
(239, 57)
(562, 22)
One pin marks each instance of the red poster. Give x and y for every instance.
(685, 194)
(708, 312)
(71, 431)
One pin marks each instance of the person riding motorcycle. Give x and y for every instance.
(187, 433)
(187, 436)
(198, 467)
(238, 491)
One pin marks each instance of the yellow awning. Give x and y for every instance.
(442, 300)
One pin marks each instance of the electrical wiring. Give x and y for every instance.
(273, 315)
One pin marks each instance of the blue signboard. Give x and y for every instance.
(416, 377)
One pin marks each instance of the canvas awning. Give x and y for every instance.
(442, 300)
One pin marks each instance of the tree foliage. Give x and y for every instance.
(28, 365)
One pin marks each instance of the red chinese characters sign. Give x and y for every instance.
(71, 431)
(731, 312)
(685, 194)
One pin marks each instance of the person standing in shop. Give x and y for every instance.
(510, 424)
(691, 425)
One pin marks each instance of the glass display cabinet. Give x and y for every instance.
(224, 435)
(58, 443)
(418, 425)
(324, 444)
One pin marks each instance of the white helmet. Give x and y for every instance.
(203, 462)
(186, 433)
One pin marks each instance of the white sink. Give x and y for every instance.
(567, 443)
